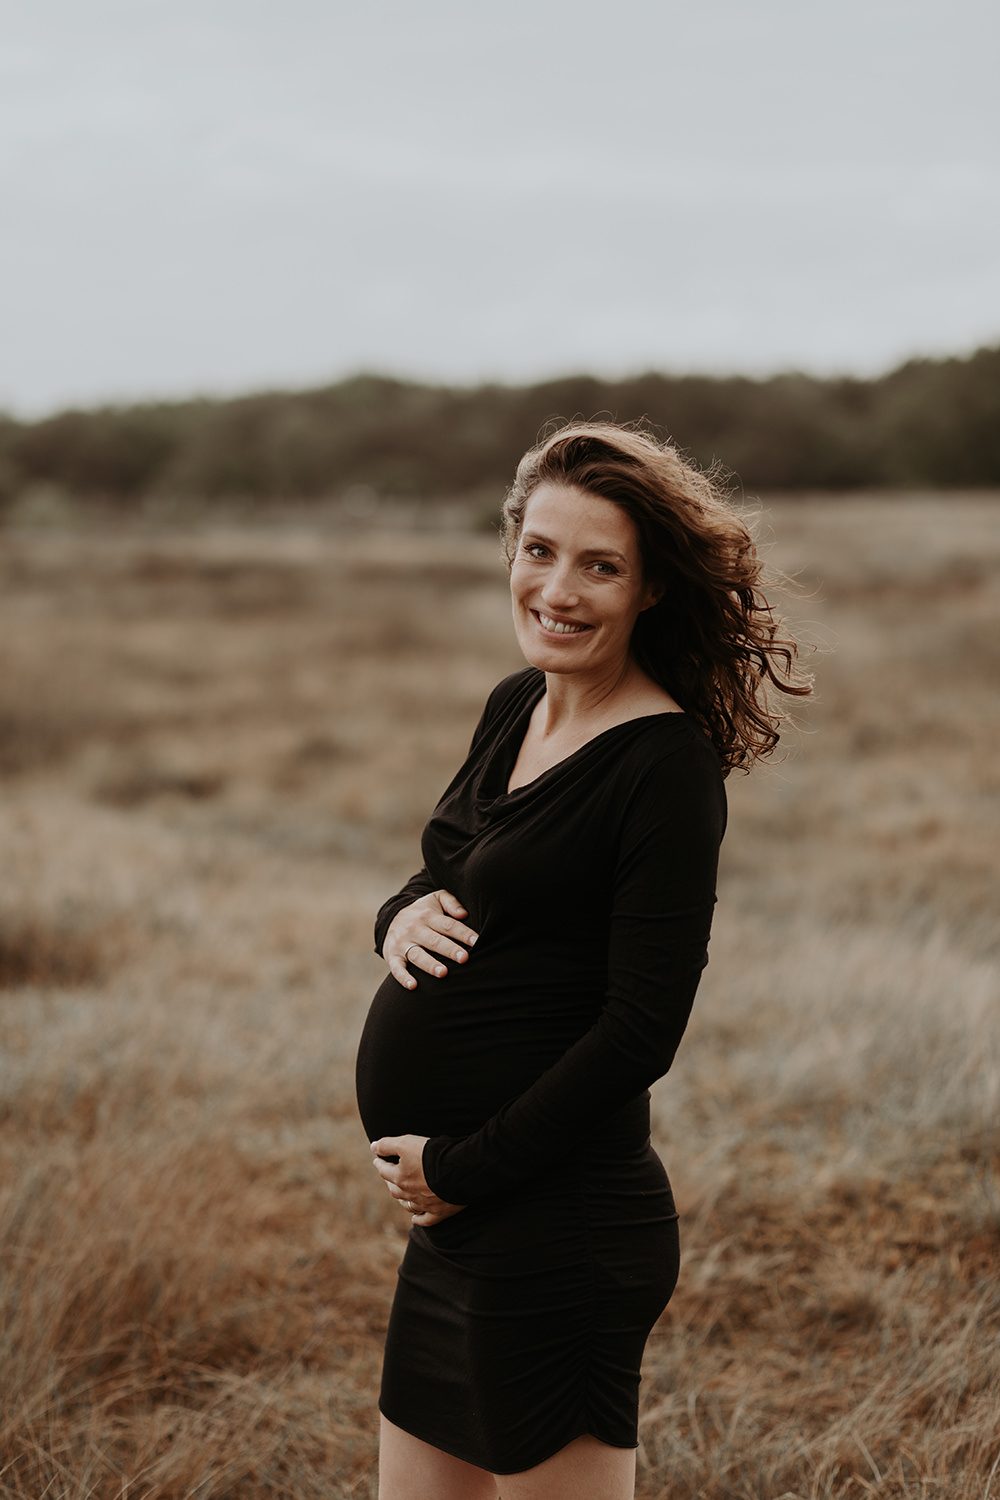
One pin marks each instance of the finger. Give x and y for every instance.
(417, 956)
(451, 925)
(387, 1148)
(420, 953)
(399, 971)
(443, 935)
(435, 933)
(385, 1152)
(451, 904)
(432, 1216)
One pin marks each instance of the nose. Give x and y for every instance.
(560, 590)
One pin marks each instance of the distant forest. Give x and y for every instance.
(927, 423)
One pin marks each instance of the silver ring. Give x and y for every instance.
(408, 1204)
(412, 945)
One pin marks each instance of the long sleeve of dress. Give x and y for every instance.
(663, 897)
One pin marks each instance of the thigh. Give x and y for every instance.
(584, 1470)
(410, 1469)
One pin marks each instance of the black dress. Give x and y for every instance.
(519, 1324)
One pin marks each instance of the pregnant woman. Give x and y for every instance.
(542, 967)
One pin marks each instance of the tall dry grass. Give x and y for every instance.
(218, 749)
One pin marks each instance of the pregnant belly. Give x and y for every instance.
(443, 1058)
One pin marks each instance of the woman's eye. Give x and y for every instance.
(608, 570)
(534, 549)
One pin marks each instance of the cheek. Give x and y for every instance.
(520, 583)
(517, 600)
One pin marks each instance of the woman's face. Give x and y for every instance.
(577, 582)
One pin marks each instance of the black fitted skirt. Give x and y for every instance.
(519, 1327)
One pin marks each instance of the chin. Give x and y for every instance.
(539, 653)
(549, 659)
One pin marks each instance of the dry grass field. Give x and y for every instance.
(217, 748)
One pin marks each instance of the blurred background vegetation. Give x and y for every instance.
(928, 423)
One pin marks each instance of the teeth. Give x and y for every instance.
(559, 627)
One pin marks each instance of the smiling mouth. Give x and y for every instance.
(558, 627)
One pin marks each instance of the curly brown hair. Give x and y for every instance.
(712, 639)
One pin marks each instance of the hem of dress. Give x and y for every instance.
(452, 1451)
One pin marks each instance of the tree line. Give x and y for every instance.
(928, 423)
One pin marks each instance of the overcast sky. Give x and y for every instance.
(222, 195)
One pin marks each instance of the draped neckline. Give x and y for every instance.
(503, 758)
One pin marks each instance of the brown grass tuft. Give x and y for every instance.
(35, 952)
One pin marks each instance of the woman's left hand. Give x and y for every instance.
(405, 1179)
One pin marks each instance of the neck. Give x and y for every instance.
(571, 698)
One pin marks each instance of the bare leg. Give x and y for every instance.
(584, 1470)
(409, 1469)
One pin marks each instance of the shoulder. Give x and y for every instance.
(670, 762)
(512, 691)
(671, 736)
(505, 702)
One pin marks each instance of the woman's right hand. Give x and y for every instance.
(432, 925)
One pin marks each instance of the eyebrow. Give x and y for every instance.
(538, 536)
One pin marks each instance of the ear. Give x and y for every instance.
(654, 594)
